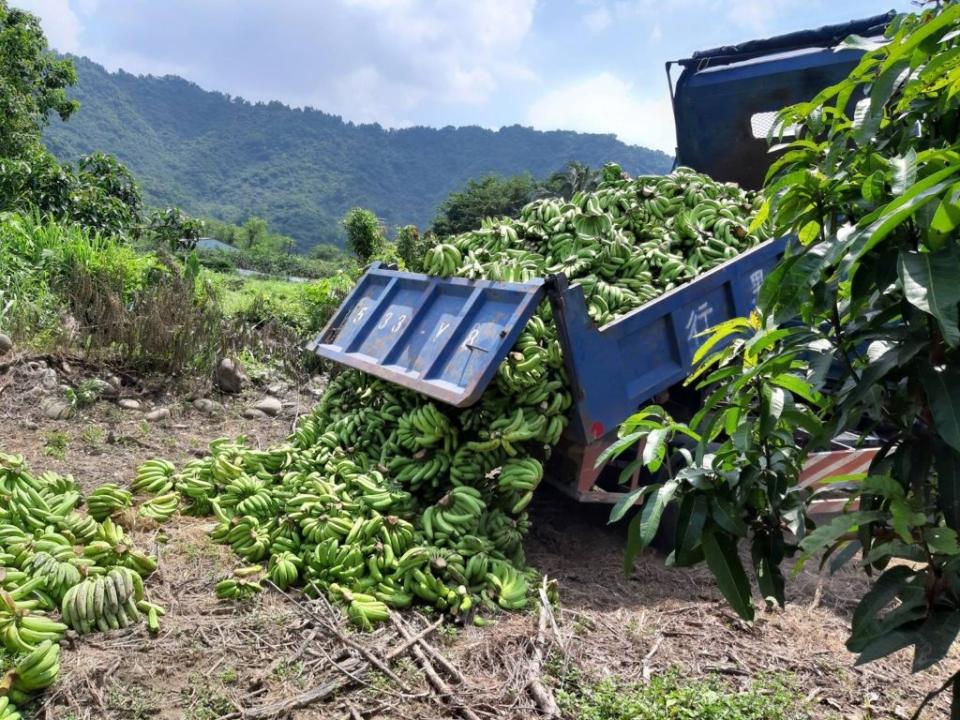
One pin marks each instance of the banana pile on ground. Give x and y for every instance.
(382, 498)
(60, 568)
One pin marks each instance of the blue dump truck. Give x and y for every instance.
(446, 337)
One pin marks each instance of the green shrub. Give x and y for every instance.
(670, 697)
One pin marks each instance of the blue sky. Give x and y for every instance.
(590, 65)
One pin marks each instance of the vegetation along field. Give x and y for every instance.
(201, 520)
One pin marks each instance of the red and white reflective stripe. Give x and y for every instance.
(821, 466)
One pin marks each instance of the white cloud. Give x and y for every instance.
(605, 103)
(367, 60)
(598, 19)
(60, 24)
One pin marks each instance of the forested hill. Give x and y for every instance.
(224, 157)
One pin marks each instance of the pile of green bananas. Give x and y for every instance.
(381, 498)
(61, 566)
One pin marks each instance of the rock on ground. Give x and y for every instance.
(129, 404)
(254, 414)
(207, 406)
(56, 409)
(269, 405)
(157, 415)
(6, 344)
(229, 376)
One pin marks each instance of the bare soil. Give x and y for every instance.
(219, 660)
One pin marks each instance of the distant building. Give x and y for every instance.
(208, 243)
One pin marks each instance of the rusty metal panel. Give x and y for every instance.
(442, 337)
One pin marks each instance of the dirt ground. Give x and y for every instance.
(220, 660)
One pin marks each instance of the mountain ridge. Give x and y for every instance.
(225, 157)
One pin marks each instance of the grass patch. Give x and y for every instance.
(673, 697)
(55, 445)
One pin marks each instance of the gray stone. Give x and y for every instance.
(269, 406)
(56, 409)
(49, 379)
(29, 425)
(157, 415)
(276, 389)
(129, 404)
(254, 414)
(229, 376)
(102, 388)
(205, 405)
(6, 344)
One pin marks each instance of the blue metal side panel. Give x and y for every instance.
(617, 368)
(443, 338)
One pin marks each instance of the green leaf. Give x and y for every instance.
(934, 638)
(903, 518)
(654, 448)
(931, 282)
(809, 232)
(872, 229)
(690, 522)
(904, 171)
(652, 510)
(946, 217)
(798, 386)
(628, 501)
(942, 541)
(828, 534)
(727, 516)
(866, 623)
(720, 333)
(872, 188)
(942, 386)
(886, 644)
(616, 448)
(895, 549)
(720, 552)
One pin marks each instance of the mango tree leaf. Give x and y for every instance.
(904, 171)
(885, 645)
(942, 386)
(628, 501)
(652, 510)
(798, 386)
(942, 540)
(616, 448)
(720, 552)
(828, 534)
(935, 637)
(946, 217)
(727, 516)
(654, 448)
(690, 522)
(868, 623)
(895, 549)
(903, 518)
(872, 229)
(931, 282)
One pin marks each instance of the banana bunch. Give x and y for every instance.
(506, 587)
(284, 569)
(442, 260)
(8, 711)
(155, 477)
(33, 672)
(106, 500)
(456, 513)
(111, 549)
(244, 583)
(22, 630)
(520, 477)
(104, 603)
(160, 508)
